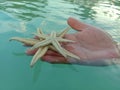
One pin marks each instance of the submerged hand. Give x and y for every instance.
(91, 43)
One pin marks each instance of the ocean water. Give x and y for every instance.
(23, 17)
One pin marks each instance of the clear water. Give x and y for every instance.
(22, 17)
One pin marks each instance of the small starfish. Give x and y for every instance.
(45, 42)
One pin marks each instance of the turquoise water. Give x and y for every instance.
(22, 17)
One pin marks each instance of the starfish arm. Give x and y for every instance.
(64, 32)
(64, 40)
(53, 34)
(41, 36)
(52, 48)
(71, 54)
(39, 31)
(27, 41)
(42, 43)
(66, 52)
(35, 57)
(58, 47)
(41, 51)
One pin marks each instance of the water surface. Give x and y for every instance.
(22, 17)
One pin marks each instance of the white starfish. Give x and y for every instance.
(46, 42)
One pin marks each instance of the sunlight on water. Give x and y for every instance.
(102, 12)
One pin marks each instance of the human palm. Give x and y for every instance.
(91, 43)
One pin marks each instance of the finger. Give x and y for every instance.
(70, 37)
(52, 53)
(79, 26)
(31, 52)
(54, 59)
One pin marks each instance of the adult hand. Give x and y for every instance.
(91, 44)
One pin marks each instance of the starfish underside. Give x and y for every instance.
(45, 42)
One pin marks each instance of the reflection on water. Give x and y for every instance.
(84, 9)
(23, 9)
(102, 13)
(27, 10)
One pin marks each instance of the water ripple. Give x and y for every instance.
(23, 9)
(102, 13)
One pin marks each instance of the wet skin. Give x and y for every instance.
(91, 45)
